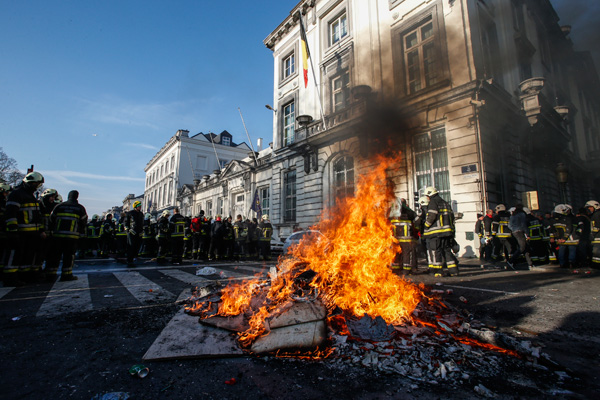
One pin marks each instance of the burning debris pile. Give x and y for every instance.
(336, 295)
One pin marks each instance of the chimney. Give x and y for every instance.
(259, 144)
(182, 132)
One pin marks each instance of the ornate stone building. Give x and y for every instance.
(486, 100)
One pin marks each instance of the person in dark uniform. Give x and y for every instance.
(134, 226)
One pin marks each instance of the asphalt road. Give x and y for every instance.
(78, 339)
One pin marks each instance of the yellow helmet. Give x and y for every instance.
(137, 204)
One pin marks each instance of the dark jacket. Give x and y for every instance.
(440, 218)
(23, 211)
(134, 222)
(69, 219)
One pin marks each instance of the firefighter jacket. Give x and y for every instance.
(134, 222)
(566, 230)
(500, 227)
(149, 230)
(439, 221)
(47, 207)
(68, 219)
(121, 227)
(535, 230)
(403, 227)
(265, 231)
(162, 228)
(177, 226)
(479, 229)
(240, 229)
(107, 229)
(93, 230)
(229, 233)
(196, 224)
(23, 211)
(596, 227)
(487, 225)
(217, 230)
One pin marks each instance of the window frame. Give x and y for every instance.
(264, 194)
(433, 171)
(226, 141)
(337, 21)
(289, 195)
(438, 38)
(289, 127)
(335, 173)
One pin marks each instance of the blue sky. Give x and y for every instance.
(91, 90)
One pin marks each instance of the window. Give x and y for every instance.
(265, 200)
(226, 141)
(209, 208)
(220, 206)
(289, 184)
(420, 57)
(518, 16)
(289, 117)
(289, 65)
(340, 91)
(343, 175)
(431, 162)
(222, 163)
(338, 29)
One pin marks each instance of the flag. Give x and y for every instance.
(256, 204)
(305, 52)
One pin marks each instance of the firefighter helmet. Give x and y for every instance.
(166, 213)
(526, 210)
(423, 201)
(49, 192)
(34, 178)
(95, 217)
(218, 217)
(593, 203)
(5, 187)
(58, 199)
(147, 216)
(430, 191)
(137, 204)
(561, 209)
(500, 207)
(265, 217)
(512, 210)
(568, 208)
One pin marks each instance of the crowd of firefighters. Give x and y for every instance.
(37, 231)
(571, 239)
(563, 236)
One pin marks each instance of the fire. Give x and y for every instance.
(346, 267)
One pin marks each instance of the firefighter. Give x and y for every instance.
(503, 235)
(217, 231)
(420, 226)
(121, 236)
(163, 237)
(26, 233)
(517, 223)
(107, 236)
(584, 248)
(187, 239)
(196, 229)
(439, 232)
(134, 226)
(405, 232)
(264, 238)
(252, 246)
(68, 221)
(487, 239)
(240, 229)
(566, 234)
(4, 248)
(177, 228)
(535, 233)
(593, 208)
(228, 238)
(93, 236)
(148, 247)
(551, 246)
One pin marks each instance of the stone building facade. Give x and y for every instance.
(486, 100)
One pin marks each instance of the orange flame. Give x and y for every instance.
(350, 261)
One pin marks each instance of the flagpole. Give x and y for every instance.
(212, 140)
(312, 68)
(248, 135)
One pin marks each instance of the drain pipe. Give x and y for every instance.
(483, 185)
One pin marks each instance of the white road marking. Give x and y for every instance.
(5, 290)
(67, 297)
(141, 287)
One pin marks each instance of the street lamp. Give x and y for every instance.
(562, 176)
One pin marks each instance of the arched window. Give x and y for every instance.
(343, 177)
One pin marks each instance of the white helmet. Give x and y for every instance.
(34, 178)
(166, 213)
(500, 207)
(593, 203)
(430, 191)
(424, 201)
(49, 192)
(265, 217)
(527, 210)
(4, 187)
(561, 209)
(512, 210)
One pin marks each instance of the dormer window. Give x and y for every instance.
(226, 141)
